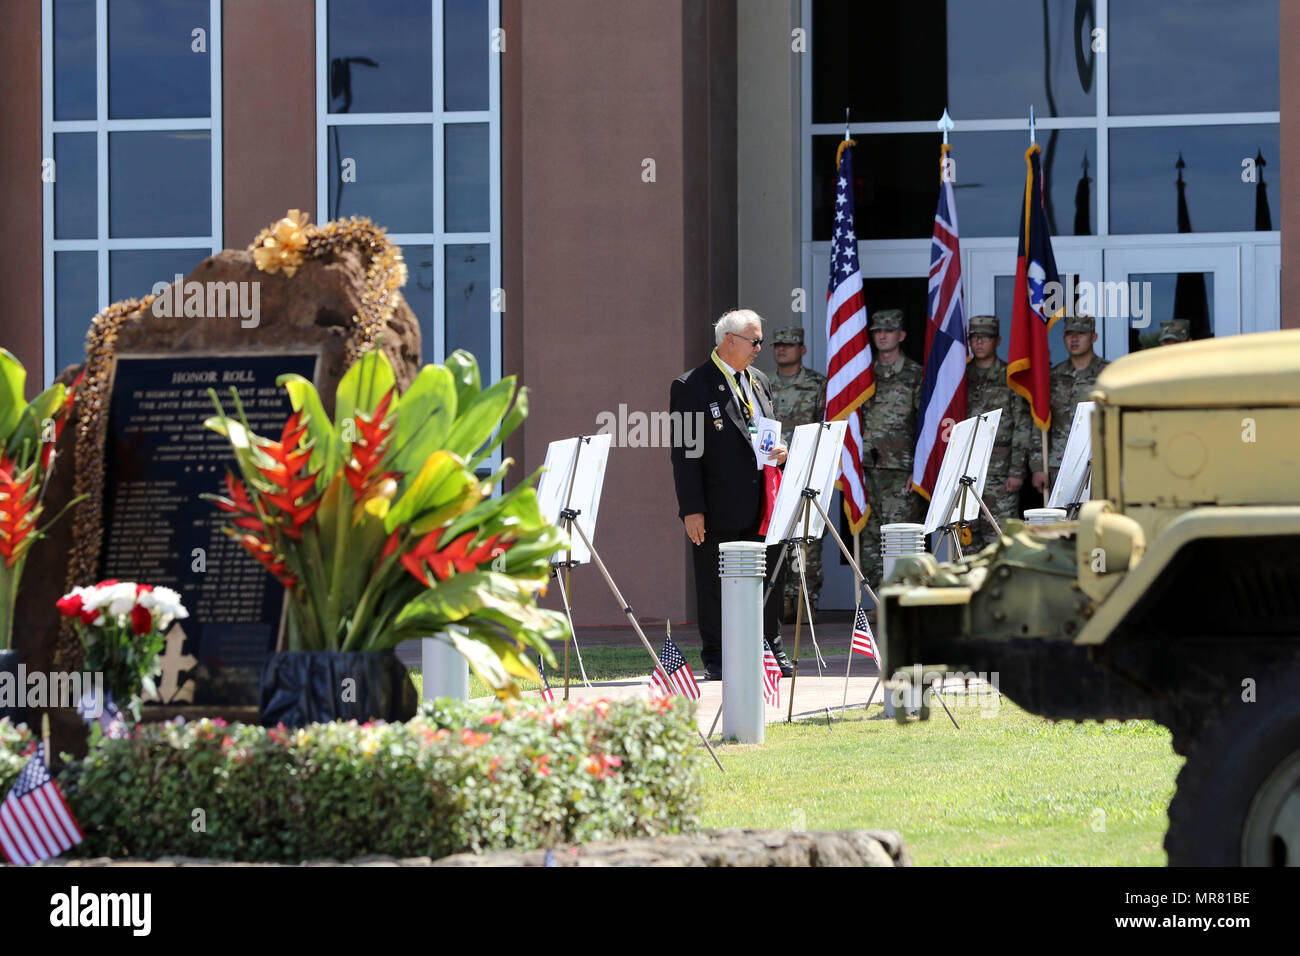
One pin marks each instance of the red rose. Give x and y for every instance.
(69, 605)
(141, 620)
(88, 616)
(142, 589)
(106, 584)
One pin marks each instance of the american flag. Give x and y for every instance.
(771, 677)
(850, 380)
(943, 390)
(548, 695)
(675, 676)
(863, 642)
(35, 822)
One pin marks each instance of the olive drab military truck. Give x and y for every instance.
(1175, 596)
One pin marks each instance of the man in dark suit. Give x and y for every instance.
(720, 489)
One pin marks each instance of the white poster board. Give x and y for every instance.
(801, 472)
(1075, 460)
(970, 443)
(560, 483)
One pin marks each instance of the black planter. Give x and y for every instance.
(308, 687)
(9, 661)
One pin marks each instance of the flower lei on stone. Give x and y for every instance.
(283, 246)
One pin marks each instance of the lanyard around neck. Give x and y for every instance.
(742, 399)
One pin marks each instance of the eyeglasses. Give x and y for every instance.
(757, 343)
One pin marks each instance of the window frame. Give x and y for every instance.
(438, 119)
(102, 126)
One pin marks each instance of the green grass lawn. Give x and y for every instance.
(1007, 790)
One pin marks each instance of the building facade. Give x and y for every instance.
(582, 187)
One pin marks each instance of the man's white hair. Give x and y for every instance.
(734, 322)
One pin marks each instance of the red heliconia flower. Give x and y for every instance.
(456, 556)
(141, 620)
(285, 475)
(61, 416)
(274, 563)
(367, 452)
(240, 504)
(18, 510)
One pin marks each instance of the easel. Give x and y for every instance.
(568, 523)
(568, 517)
(1072, 509)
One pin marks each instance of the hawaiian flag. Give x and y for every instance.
(863, 642)
(850, 380)
(35, 822)
(548, 695)
(675, 677)
(1030, 365)
(771, 677)
(943, 391)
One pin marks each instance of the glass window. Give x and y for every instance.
(418, 293)
(465, 54)
(74, 59)
(132, 273)
(892, 62)
(154, 70)
(76, 299)
(893, 201)
(389, 178)
(1193, 56)
(160, 183)
(467, 177)
(469, 301)
(380, 59)
(76, 210)
(1223, 187)
(1174, 295)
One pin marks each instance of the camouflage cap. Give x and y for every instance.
(790, 336)
(1175, 330)
(887, 319)
(1080, 323)
(984, 325)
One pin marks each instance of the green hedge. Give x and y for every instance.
(458, 777)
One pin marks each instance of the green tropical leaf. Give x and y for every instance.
(484, 661)
(425, 418)
(363, 386)
(30, 423)
(464, 372)
(429, 489)
(325, 456)
(475, 424)
(13, 379)
(512, 421)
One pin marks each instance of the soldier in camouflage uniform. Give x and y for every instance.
(1072, 380)
(1173, 331)
(798, 397)
(986, 389)
(889, 437)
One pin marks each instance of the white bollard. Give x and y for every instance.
(446, 672)
(742, 566)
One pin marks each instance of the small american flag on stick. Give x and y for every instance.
(548, 695)
(35, 822)
(675, 676)
(863, 642)
(771, 677)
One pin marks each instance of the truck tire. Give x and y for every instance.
(1238, 796)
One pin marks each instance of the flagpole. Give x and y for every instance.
(1047, 471)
